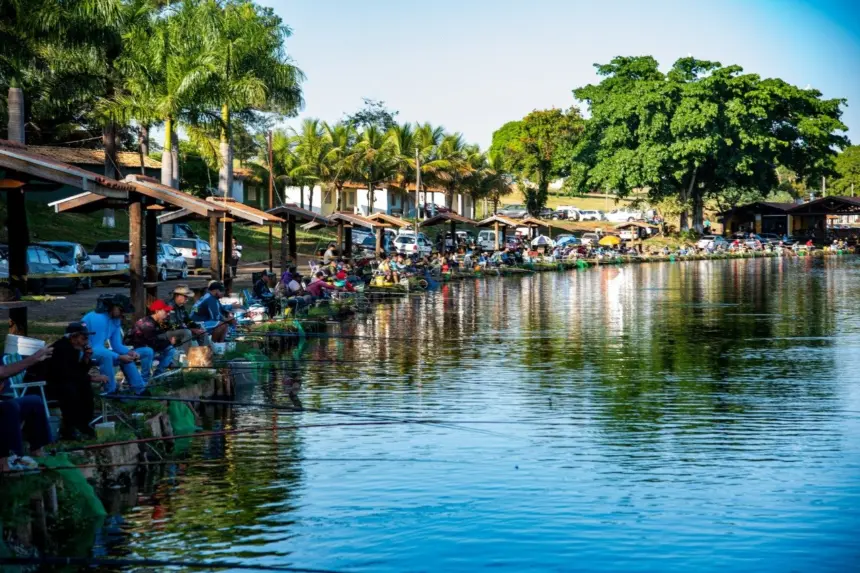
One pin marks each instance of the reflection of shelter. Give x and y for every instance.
(500, 225)
(155, 198)
(758, 217)
(290, 213)
(448, 217)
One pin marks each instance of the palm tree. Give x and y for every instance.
(374, 160)
(404, 146)
(340, 160)
(310, 148)
(451, 165)
(491, 181)
(253, 72)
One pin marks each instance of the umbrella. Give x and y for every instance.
(542, 241)
(609, 241)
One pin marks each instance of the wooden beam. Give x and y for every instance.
(155, 207)
(151, 256)
(59, 174)
(284, 251)
(214, 256)
(76, 202)
(19, 240)
(228, 250)
(347, 249)
(11, 184)
(135, 240)
(294, 247)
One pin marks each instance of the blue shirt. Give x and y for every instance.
(105, 329)
(208, 309)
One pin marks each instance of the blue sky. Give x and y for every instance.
(473, 65)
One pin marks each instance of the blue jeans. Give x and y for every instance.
(108, 360)
(29, 411)
(165, 358)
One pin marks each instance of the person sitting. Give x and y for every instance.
(69, 380)
(319, 285)
(215, 317)
(108, 349)
(329, 254)
(182, 328)
(26, 410)
(263, 293)
(151, 332)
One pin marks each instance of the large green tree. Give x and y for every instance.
(700, 130)
(847, 167)
(537, 150)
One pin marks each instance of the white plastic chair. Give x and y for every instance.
(19, 387)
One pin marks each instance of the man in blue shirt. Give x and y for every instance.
(108, 349)
(214, 316)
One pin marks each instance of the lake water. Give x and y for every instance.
(699, 416)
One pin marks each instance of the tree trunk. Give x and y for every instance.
(698, 208)
(174, 161)
(685, 196)
(135, 240)
(225, 174)
(111, 169)
(16, 115)
(143, 146)
(369, 198)
(16, 220)
(302, 196)
(166, 161)
(214, 252)
(338, 198)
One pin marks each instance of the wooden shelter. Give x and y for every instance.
(448, 217)
(499, 224)
(155, 199)
(290, 214)
(24, 171)
(346, 221)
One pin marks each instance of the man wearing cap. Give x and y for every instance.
(69, 380)
(149, 332)
(182, 327)
(105, 323)
(214, 316)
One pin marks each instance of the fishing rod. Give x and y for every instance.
(158, 563)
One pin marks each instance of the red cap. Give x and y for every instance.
(340, 276)
(159, 305)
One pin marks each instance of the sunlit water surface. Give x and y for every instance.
(700, 416)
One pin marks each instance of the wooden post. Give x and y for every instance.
(340, 244)
(214, 253)
(284, 261)
(19, 240)
(453, 236)
(151, 257)
(498, 238)
(294, 248)
(228, 258)
(380, 233)
(135, 245)
(347, 240)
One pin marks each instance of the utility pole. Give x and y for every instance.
(271, 199)
(417, 188)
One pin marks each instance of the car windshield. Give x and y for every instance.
(184, 243)
(407, 240)
(111, 247)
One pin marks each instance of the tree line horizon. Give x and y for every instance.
(702, 135)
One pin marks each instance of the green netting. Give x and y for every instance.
(181, 418)
(88, 504)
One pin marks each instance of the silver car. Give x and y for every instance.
(170, 262)
(513, 211)
(196, 252)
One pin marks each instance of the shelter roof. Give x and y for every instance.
(355, 220)
(763, 207)
(386, 218)
(445, 218)
(502, 220)
(828, 206)
(246, 212)
(300, 213)
(20, 158)
(638, 224)
(81, 156)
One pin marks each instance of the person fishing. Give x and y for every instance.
(181, 326)
(108, 349)
(263, 293)
(151, 332)
(215, 317)
(22, 417)
(69, 380)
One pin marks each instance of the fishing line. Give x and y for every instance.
(98, 562)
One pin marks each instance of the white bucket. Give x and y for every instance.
(219, 347)
(23, 345)
(105, 430)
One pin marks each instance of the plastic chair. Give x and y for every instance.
(19, 387)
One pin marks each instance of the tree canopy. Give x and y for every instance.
(847, 167)
(700, 130)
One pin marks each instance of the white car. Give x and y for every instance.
(590, 215)
(712, 242)
(412, 245)
(622, 215)
(590, 238)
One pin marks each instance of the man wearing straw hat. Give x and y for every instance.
(182, 328)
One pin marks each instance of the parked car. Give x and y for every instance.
(170, 262)
(487, 240)
(180, 231)
(432, 209)
(111, 256)
(412, 245)
(590, 215)
(712, 242)
(73, 255)
(590, 238)
(622, 215)
(557, 215)
(513, 211)
(42, 261)
(196, 252)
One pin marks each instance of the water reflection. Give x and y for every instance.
(695, 415)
